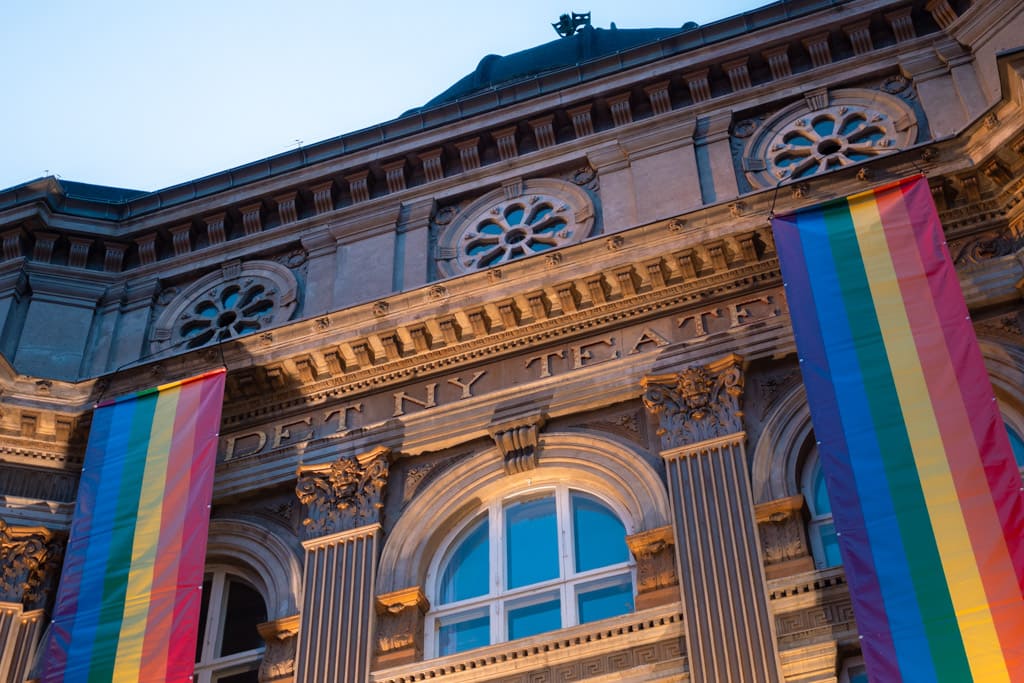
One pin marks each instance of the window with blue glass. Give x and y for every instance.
(527, 565)
(822, 530)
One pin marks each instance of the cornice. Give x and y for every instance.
(230, 190)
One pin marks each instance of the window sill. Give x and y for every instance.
(594, 640)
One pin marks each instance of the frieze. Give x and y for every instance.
(341, 372)
(345, 494)
(698, 403)
(342, 418)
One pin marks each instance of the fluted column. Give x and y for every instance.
(729, 629)
(342, 504)
(30, 560)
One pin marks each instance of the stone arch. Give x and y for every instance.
(786, 439)
(782, 447)
(263, 558)
(603, 465)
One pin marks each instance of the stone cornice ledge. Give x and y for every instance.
(495, 661)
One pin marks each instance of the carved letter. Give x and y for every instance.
(648, 336)
(700, 327)
(343, 411)
(231, 449)
(467, 389)
(545, 362)
(429, 402)
(281, 432)
(581, 353)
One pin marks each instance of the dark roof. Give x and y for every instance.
(589, 43)
(98, 193)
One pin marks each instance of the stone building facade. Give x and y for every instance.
(512, 392)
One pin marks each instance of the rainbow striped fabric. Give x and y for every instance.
(128, 603)
(924, 488)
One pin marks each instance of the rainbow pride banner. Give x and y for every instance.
(925, 492)
(128, 602)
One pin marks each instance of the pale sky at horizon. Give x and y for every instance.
(145, 96)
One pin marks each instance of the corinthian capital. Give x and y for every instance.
(697, 404)
(345, 494)
(30, 560)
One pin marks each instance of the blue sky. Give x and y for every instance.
(147, 95)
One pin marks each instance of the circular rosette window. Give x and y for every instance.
(854, 126)
(228, 311)
(496, 229)
(236, 301)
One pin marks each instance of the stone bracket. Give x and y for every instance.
(519, 442)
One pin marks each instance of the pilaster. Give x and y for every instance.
(342, 502)
(729, 631)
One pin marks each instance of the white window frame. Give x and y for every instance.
(817, 519)
(499, 600)
(211, 668)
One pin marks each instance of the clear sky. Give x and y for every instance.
(144, 95)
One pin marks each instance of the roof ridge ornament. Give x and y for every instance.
(569, 24)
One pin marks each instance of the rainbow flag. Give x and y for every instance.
(128, 602)
(924, 488)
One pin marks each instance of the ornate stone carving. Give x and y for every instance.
(783, 534)
(991, 244)
(496, 229)
(698, 403)
(518, 442)
(823, 133)
(279, 658)
(655, 566)
(30, 560)
(345, 494)
(227, 304)
(400, 626)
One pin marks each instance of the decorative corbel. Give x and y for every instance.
(656, 579)
(279, 658)
(519, 442)
(783, 530)
(400, 626)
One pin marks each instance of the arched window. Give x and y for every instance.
(229, 648)
(530, 563)
(824, 542)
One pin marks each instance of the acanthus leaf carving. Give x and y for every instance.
(698, 403)
(345, 494)
(30, 559)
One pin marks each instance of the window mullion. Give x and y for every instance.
(216, 607)
(496, 524)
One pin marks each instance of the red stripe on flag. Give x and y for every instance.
(181, 651)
